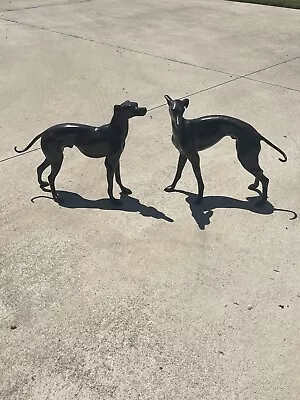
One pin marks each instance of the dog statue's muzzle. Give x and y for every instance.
(140, 111)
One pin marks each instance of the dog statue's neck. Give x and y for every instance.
(121, 124)
(178, 124)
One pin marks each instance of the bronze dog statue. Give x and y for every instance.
(105, 141)
(192, 135)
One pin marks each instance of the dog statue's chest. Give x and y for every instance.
(179, 137)
(176, 142)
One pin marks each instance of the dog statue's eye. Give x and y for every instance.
(126, 106)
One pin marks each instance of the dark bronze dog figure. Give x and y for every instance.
(104, 141)
(192, 135)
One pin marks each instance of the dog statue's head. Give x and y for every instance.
(129, 109)
(176, 108)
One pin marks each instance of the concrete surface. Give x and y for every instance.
(100, 303)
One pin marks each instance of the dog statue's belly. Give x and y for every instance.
(97, 150)
(96, 142)
(205, 142)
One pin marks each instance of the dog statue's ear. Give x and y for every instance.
(117, 107)
(186, 103)
(168, 98)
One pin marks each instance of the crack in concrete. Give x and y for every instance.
(271, 84)
(272, 66)
(18, 155)
(199, 91)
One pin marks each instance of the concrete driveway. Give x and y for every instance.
(160, 299)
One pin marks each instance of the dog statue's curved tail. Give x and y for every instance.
(276, 148)
(30, 144)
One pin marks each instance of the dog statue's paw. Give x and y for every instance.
(126, 191)
(169, 188)
(253, 186)
(44, 184)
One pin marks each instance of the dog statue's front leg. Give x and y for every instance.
(124, 189)
(181, 163)
(110, 164)
(195, 161)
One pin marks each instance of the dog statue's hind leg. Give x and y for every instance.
(249, 160)
(55, 168)
(254, 185)
(40, 169)
(195, 161)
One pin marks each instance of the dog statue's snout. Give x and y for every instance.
(143, 111)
